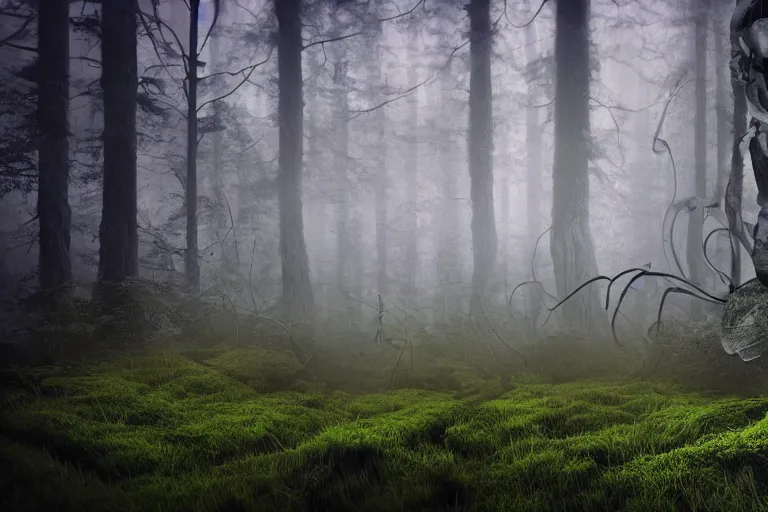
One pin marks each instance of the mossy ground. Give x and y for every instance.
(225, 429)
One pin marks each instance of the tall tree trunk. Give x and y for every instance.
(573, 252)
(735, 187)
(382, 176)
(319, 241)
(344, 247)
(533, 137)
(723, 128)
(228, 255)
(355, 272)
(694, 254)
(412, 177)
(449, 270)
(118, 233)
(53, 147)
(192, 264)
(504, 227)
(447, 301)
(721, 100)
(298, 299)
(480, 148)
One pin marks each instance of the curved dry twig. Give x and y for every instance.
(667, 292)
(709, 297)
(725, 278)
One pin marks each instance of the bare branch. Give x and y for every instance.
(535, 15)
(18, 32)
(408, 91)
(230, 73)
(20, 47)
(216, 7)
(14, 15)
(245, 79)
(154, 43)
(401, 15)
(331, 40)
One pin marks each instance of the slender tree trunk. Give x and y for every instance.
(412, 177)
(533, 136)
(355, 275)
(480, 148)
(696, 217)
(344, 246)
(118, 233)
(721, 99)
(735, 187)
(191, 263)
(448, 254)
(447, 301)
(723, 128)
(53, 148)
(573, 252)
(504, 229)
(319, 241)
(298, 299)
(382, 176)
(221, 217)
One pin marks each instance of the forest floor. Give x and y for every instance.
(215, 429)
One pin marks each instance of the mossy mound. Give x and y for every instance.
(217, 429)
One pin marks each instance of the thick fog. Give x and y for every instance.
(385, 182)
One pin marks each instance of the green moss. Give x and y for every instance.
(258, 368)
(221, 430)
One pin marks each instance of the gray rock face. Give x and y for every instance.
(745, 322)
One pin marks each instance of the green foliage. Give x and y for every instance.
(226, 429)
(257, 368)
(219, 413)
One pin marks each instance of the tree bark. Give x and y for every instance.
(533, 137)
(480, 148)
(192, 265)
(694, 253)
(449, 268)
(734, 189)
(228, 253)
(723, 128)
(412, 178)
(118, 233)
(318, 243)
(382, 176)
(504, 230)
(53, 147)
(344, 247)
(298, 299)
(573, 252)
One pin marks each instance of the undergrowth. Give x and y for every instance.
(230, 419)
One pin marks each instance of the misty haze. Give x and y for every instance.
(384, 255)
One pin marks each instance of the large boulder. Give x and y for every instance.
(745, 321)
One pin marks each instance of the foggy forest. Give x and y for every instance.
(384, 255)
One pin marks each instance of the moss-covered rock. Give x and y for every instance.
(259, 368)
(745, 321)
